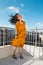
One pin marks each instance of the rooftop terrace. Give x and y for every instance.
(28, 60)
(33, 49)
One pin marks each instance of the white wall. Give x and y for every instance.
(33, 50)
(6, 51)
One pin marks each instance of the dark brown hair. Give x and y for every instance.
(14, 19)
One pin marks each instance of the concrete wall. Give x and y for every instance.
(33, 50)
(6, 51)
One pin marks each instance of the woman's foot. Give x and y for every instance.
(21, 56)
(14, 57)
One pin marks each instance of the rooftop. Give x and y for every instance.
(28, 60)
(33, 52)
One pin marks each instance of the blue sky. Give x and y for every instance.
(31, 11)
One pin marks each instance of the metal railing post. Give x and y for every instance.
(36, 37)
(3, 36)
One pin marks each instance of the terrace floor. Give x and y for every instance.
(28, 60)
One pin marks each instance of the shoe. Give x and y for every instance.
(21, 56)
(14, 57)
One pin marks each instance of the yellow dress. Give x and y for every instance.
(19, 40)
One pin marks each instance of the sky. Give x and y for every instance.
(31, 11)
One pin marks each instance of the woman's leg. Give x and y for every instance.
(21, 52)
(15, 50)
(14, 55)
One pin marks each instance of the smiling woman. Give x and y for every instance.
(19, 40)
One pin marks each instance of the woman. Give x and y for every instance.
(19, 40)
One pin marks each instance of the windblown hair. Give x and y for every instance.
(14, 19)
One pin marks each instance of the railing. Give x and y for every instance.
(33, 36)
(6, 35)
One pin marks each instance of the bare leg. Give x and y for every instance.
(15, 51)
(14, 55)
(21, 52)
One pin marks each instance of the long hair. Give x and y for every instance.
(14, 19)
